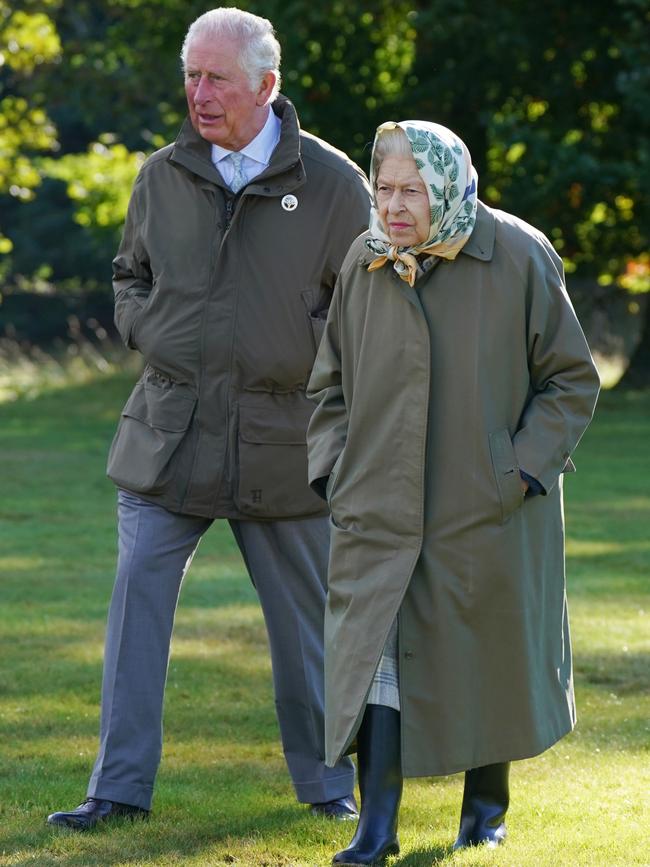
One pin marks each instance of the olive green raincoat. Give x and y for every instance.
(431, 400)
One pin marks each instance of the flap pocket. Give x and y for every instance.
(506, 473)
(272, 458)
(154, 421)
(161, 404)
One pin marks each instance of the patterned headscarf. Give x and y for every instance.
(445, 166)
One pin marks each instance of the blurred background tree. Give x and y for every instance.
(553, 100)
(27, 41)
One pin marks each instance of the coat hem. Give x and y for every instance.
(488, 759)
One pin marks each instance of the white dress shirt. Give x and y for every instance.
(257, 153)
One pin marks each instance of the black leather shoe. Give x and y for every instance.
(343, 809)
(92, 811)
(485, 802)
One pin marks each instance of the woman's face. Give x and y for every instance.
(402, 201)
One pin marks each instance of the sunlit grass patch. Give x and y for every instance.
(598, 547)
(28, 371)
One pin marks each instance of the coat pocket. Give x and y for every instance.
(154, 420)
(506, 473)
(330, 487)
(273, 457)
(317, 308)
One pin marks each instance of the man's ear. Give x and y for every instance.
(266, 88)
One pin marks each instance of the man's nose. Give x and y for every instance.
(202, 92)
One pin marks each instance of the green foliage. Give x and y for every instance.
(345, 66)
(553, 101)
(19, 124)
(27, 41)
(106, 83)
(99, 182)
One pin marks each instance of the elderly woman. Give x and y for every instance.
(453, 382)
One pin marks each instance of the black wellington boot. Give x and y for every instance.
(485, 801)
(380, 784)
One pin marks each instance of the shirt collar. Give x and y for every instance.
(260, 148)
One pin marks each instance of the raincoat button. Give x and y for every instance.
(408, 654)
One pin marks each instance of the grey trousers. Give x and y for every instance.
(287, 563)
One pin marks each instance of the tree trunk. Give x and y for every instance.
(637, 375)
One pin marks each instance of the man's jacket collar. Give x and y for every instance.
(284, 173)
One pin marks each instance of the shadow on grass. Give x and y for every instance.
(621, 673)
(419, 857)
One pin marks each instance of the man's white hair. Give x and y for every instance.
(259, 48)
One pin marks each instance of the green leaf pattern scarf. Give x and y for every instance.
(445, 166)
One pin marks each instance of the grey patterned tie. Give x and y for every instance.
(238, 178)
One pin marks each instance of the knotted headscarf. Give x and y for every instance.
(445, 166)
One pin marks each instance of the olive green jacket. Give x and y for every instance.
(226, 301)
(431, 400)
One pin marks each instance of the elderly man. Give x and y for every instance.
(232, 244)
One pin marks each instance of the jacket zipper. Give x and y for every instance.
(230, 202)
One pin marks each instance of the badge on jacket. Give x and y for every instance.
(289, 203)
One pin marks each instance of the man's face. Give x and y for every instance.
(224, 109)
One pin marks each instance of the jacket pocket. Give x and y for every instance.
(139, 305)
(272, 456)
(506, 473)
(154, 420)
(128, 308)
(317, 308)
(330, 487)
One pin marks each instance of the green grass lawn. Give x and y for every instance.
(223, 796)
